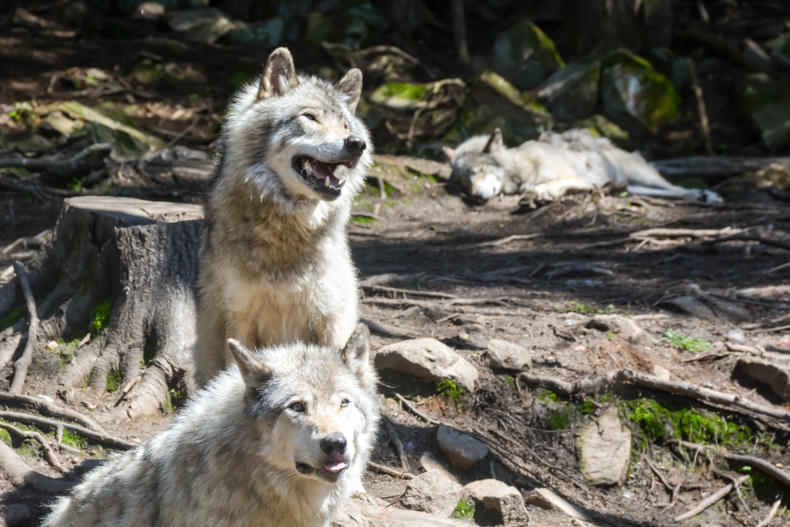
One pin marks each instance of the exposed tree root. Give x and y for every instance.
(19, 474)
(104, 439)
(710, 500)
(625, 378)
(23, 362)
(49, 453)
(44, 407)
(123, 270)
(778, 474)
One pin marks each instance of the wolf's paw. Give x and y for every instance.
(362, 495)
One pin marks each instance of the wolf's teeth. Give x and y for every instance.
(326, 182)
(341, 182)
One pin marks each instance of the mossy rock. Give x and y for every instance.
(635, 96)
(767, 102)
(600, 126)
(502, 87)
(400, 95)
(525, 55)
(572, 92)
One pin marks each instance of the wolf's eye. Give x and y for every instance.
(344, 402)
(297, 407)
(310, 116)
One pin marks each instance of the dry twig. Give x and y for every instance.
(768, 468)
(49, 453)
(389, 471)
(771, 513)
(404, 459)
(710, 500)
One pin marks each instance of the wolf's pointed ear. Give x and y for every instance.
(495, 142)
(356, 355)
(449, 153)
(279, 74)
(350, 86)
(253, 370)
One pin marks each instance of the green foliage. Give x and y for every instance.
(547, 395)
(100, 316)
(362, 220)
(114, 378)
(175, 400)
(510, 381)
(450, 390)
(583, 309)
(73, 439)
(464, 510)
(682, 342)
(5, 436)
(660, 424)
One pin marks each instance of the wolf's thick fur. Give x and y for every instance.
(281, 440)
(554, 164)
(275, 266)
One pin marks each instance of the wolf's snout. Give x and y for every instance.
(333, 444)
(354, 144)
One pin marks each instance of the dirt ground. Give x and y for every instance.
(431, 265)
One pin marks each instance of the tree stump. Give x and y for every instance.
(124, 270)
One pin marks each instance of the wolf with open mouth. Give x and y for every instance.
(275, 266)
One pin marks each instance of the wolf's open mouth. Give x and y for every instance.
(330, 469)
(320, 176)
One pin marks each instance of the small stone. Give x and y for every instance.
(661, 372)
(427, 359)
(604, 449)
(505, 355)
(737, 335)
(428, 462)
(52, 345)
(432, 492)
(494, 496)
(461, 449)
(620, 325)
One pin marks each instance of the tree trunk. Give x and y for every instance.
(135, 261)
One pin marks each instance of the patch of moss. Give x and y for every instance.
(362, 220)
(5, 436)
(682, 342)
(99, 317)
(660, 424)
(510, 381)
(450, 390)
(75, 440)
(464, 510)
(114, 379)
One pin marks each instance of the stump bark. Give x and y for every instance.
(137, 261)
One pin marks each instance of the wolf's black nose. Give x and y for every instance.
(334, 444)
(354, 144)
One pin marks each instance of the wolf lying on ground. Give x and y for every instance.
(281, 440)
(275, 266)
(547, 168)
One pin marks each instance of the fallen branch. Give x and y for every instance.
(50, 454)
(710, 500)
(499, 241)
(23, 362)
(44, 407)
(627, 377)
(416, 412)
(701, 109)
(387, 330)
(83, 161)
(768, 468)
(105, 439)
(19, 474)
(398, 444)
(389, 471)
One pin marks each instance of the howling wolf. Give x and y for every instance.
(275, 266)
(279, 440)
(547, 168)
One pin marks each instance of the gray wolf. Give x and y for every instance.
(547, 168)
(279, 439)
(275, 266)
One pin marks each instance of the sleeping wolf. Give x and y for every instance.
(280, 440)
(547, 168)
(275, 266)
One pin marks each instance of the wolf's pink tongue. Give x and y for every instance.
(321, 170)
(336, 467)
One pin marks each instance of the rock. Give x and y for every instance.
(525, 55)
(604, 450)
(571, 92)
(767, 102)
(428, 463)
(775, 376)
(429, 360)
(548, 499)
(661, 372)
(636, 96)
(622, 326)
(205, 24)
(505, 355)
(501, 501)
(432, 492)
(374, 512)
(600, 126)
(689, 305)
(461, 449)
